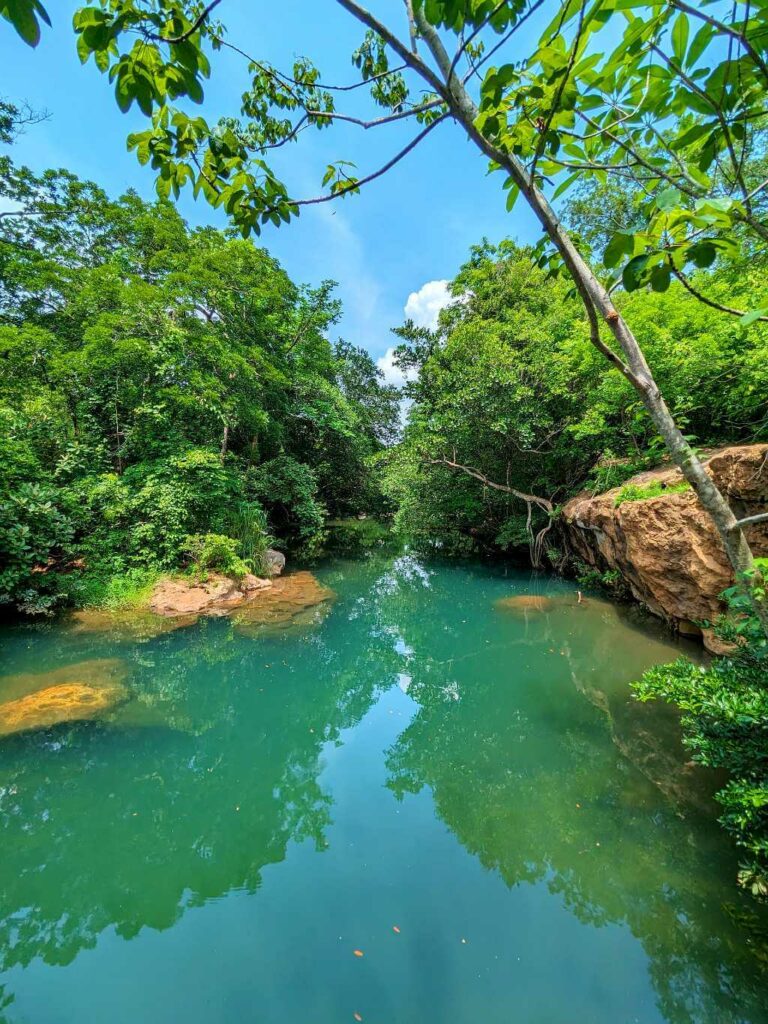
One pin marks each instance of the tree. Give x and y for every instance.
(681, 93)
(160, 383)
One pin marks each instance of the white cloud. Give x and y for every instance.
(424, 305)
(393, 374)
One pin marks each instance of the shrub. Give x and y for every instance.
(725, 724)
(215, 551)
(655, 489)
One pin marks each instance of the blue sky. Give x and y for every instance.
(409, 228)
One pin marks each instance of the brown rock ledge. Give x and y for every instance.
(666, 548)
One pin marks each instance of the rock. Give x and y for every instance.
(667, 548)
(97, 672)
(128, 623)
(715, 645)
(218, 595)
(173, 597)
(274, 561)
(251, 583)
(67, 702)
(295, 599)
(525, 603)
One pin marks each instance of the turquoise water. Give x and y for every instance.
(418, 760)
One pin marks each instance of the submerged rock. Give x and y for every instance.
(291, 600)
(96, 672)
(525, 603)
(666, 547)
(127, 623)
(67, 702)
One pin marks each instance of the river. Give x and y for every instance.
(414, 806)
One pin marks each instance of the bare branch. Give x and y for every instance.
(709, 302)
(750, 521)
(399, 116)
(190, 31)
(534, 499)
(355, 185)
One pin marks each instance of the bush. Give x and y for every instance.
(36, 532)
(725, 724)
(215, 551)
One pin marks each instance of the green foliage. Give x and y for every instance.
(654, 489)
(725, 723)
(509, 385)
(160, 383)
(289, 490)
(215, 551)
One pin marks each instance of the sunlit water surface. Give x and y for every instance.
(466, 796)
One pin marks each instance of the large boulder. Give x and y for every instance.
(667, 548)
(274, 562)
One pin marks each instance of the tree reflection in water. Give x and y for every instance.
(522, 731)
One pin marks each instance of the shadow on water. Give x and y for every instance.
(522, 731)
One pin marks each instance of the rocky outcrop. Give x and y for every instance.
(217, 595)
(666, 547)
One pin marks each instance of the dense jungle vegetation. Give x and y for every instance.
(510, 385)
(158, 385)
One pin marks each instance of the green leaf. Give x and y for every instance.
(752, 316)
(668, 199)
(703, 254)
(660, 277)
(680, 32)
(621, 244)
(22, 14)
(633, 272)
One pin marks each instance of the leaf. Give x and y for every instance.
(703, 254)
(660, 277)
(620, 245)
(752, 316)
(22, 14)
(700, 42)
(668, 199)
(680, 32)
(633, 271)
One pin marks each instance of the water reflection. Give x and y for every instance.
(522, 732)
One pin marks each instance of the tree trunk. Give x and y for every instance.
(598, 303)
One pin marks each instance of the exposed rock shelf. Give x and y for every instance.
(666, 547)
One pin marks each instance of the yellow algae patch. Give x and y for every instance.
(67, 702)
(291, 600)
(93, 672)
(525, 603)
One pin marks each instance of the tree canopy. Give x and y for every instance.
(159, 383)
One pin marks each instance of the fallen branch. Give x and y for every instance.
(535, 542)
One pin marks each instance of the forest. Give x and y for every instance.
(174, 405)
